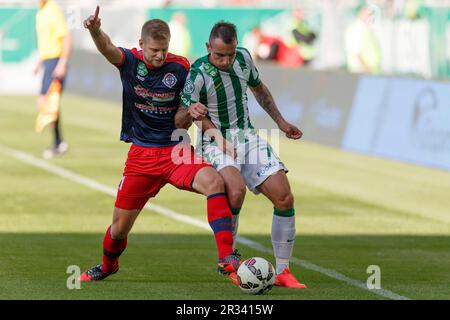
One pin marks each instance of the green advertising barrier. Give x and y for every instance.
(439, 20)
(201, 21)
(17, 33)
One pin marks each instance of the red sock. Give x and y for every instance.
(112, 249)
(219, 218)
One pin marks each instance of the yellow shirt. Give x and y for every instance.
(51, 29)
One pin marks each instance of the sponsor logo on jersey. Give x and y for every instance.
(150, 108)
(145, 107)
(210, 69)
(186, 102)
(156, 96)
(169, 80)
(264, 169)
(141, 70)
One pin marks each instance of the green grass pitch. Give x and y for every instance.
(352, 211)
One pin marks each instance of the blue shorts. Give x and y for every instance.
(49, 66)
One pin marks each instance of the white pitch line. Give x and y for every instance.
(92, 184)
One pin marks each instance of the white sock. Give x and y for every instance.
(283, 238)
(281, 265)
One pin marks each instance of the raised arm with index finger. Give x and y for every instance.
(101, 39)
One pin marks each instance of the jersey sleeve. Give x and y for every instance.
(253, 79)
(193, 87)
(59, 22)
(127, 59)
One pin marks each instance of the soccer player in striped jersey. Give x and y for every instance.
(152, 79)
(216, 93)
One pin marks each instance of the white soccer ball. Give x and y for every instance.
(256, 276)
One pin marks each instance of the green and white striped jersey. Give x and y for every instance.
(223, 92)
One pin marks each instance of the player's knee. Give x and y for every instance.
(285, 201)
(208, 181)
(236, 196)
(123, 221)
(214, 184)
(118, 232)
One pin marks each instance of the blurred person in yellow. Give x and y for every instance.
(362, 47)
(180, 36)
(54, 46)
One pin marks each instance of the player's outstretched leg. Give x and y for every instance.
(114, 243)
(235, 188)
(277, 189)
(208, 182)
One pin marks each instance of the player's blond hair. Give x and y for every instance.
(156, 29)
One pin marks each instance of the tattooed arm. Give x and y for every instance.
(266, 101)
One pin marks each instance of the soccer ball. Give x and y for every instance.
(256, 276)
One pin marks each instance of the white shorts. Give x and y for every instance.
(255, 159)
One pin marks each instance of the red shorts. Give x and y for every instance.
(148, 169)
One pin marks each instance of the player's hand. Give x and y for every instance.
(227, 147)
(93, 23)
(60, 70)
(198, 111)
(291, 131)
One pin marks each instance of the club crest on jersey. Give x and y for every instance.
(142, 69)
(210, 69)
(188, 87)
(169, 80)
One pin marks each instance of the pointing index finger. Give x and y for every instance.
(97, 11)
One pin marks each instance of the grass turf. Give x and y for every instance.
(352, 211)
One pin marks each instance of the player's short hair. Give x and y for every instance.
(156, 29)
(225, 31)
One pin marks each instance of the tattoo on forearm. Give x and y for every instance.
(265, 99)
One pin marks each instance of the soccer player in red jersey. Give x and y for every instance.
(152, 80)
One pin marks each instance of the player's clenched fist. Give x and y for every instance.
(93, 22)
(198, 111)
(291, 131)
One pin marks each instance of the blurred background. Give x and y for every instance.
(365, 76)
